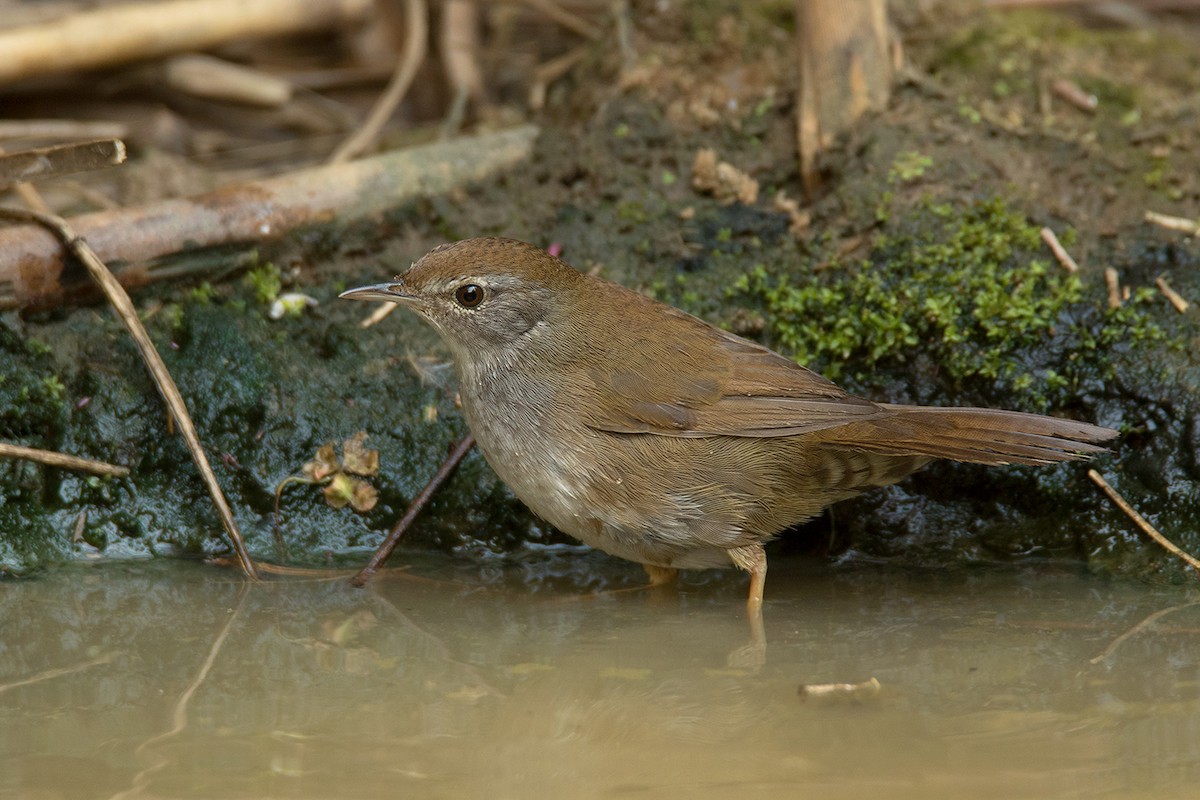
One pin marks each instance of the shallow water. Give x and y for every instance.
(168, 679)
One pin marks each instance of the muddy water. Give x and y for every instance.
(176, 680)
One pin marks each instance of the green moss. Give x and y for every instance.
(266, 283)
(971, 289)
(908, 166)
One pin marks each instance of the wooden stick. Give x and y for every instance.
(1175, 298)
(1059, 251)
(62, 159)
(53, 459)
(406, 70)
(135, 31)
(1113, 281)
(61, 129)
(158, 370)
(1140, 521)
(414, 508)
(1183, 224)
(33, 267)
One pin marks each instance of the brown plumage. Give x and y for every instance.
(657, 437)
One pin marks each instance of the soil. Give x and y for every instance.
(975, 154)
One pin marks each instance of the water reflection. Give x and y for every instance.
(177, 680)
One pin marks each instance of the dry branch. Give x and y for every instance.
(53, 459)
(33, 268)
(123, 306)
(136, 31)
(1141, 521)
(63, 159)
(61, 129)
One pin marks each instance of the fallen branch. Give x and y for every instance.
(33, 268)
(62, 159)
(123, 306)
(414, 508)
(137, 31)
(1140, 521)
(61, 129)
(53, 459)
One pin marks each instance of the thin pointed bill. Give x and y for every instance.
(389, 292)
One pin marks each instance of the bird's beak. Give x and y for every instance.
(390, 292)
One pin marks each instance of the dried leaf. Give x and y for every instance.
(364, 496)
(357, 459)
(340, 490)
(324, 465)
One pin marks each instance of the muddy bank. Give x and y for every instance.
(918, 275)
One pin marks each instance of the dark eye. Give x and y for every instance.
(469, 295)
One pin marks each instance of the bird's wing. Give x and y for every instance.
(700, 381)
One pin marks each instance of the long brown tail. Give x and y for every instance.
(975, 435)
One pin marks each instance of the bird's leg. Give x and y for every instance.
(753, 559)
(660, 576)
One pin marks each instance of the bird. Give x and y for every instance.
(654, 436)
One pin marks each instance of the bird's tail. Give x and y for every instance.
(974, 435)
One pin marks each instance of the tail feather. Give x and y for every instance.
(975, 435)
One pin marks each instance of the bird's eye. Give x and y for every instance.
(469, 295)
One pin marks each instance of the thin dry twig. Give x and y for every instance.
(1059, 251)
(1070, 91)
(417, 18)
(53, 459)
(158, 370)
(43, 162)
(1136, 629)
(414, 508)
(61, 129)
(1175, 298)
(1113, 280)
(552, 70)
(1140, 521)
(569, 20)
(58, 673)
(118, 32)
(1189, 226)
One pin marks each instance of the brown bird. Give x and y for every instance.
(654, 436)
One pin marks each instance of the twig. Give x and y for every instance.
(1071, 92)
(53, 459)
(57, 673)
(61, 159)
(1175, 298)
(1113, 280)
(570, 21)
(414, 508)
(1141, 626)
(217, 79)
(1059, 251)
(1140, 521)
(378, 315)
(414, 53)
(61, 129)
(552, 70)
(121, 32)
(33, 267)
(1189, 226)
(158, 370)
